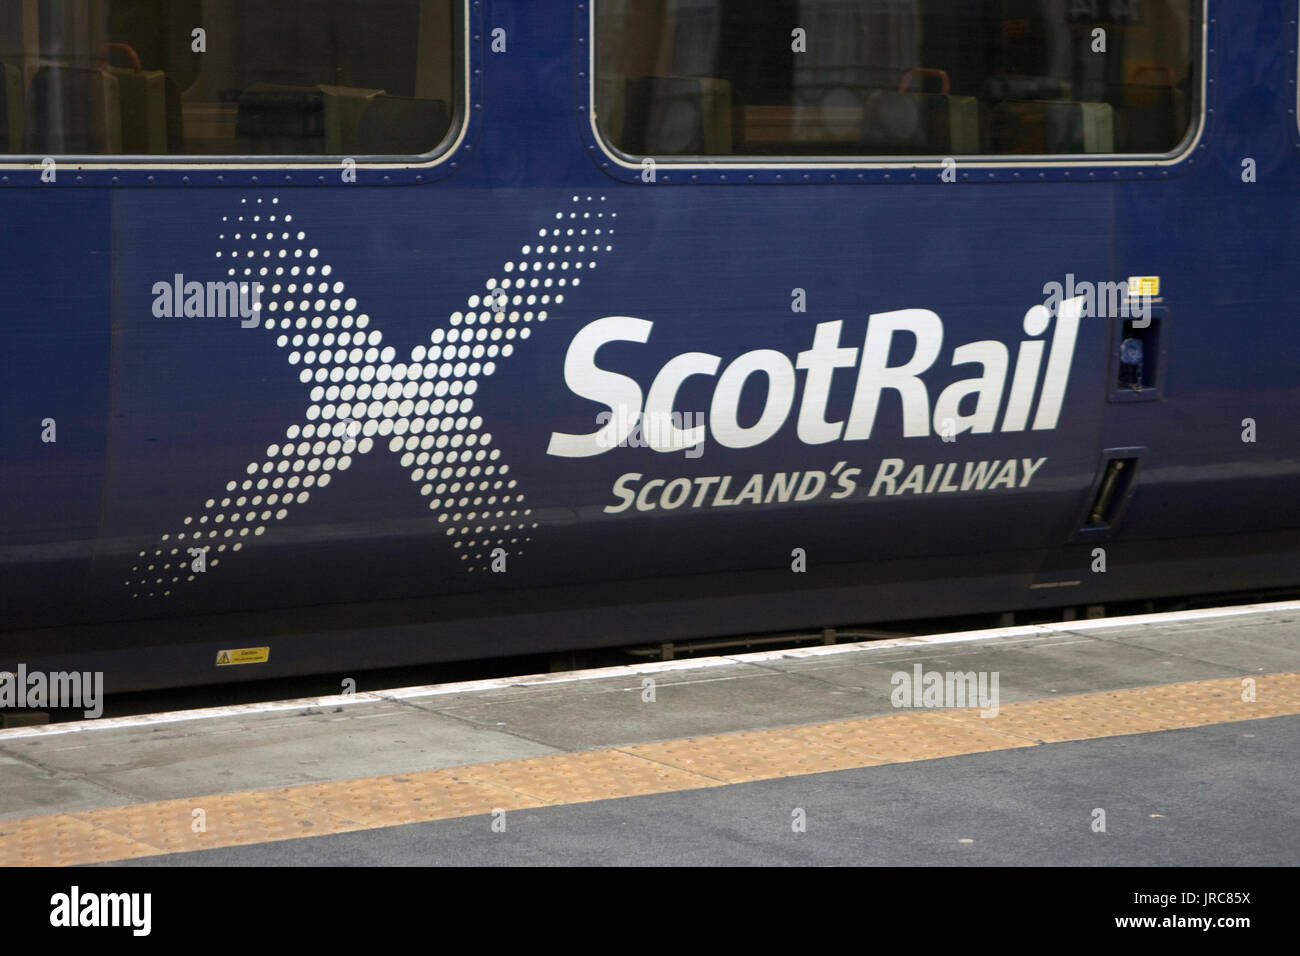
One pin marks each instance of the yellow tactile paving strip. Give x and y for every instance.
(260, 816)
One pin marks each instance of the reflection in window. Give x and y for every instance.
(290, 77)
(918, 78)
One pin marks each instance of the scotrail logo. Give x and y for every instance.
(887, 334)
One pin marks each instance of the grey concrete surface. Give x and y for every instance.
(48, 770)
(1223, 795)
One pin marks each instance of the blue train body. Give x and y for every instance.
(892, 424)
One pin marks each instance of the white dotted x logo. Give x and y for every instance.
(423, 408)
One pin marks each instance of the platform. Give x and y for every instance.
(1181, 729)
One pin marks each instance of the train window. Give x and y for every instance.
(882, 78)
(228, 77)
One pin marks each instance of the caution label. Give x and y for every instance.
(243, 655)
(1144, 285)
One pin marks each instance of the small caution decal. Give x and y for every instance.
(243, 655)
(1144, 286)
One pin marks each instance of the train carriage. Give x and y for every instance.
(381, 333)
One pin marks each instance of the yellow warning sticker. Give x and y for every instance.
(243, 655)
(1144, 285)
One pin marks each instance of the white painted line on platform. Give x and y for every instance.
(1037, 631)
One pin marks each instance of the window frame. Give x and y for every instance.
(457, 133)
(1123, 165)
(1293, 53)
